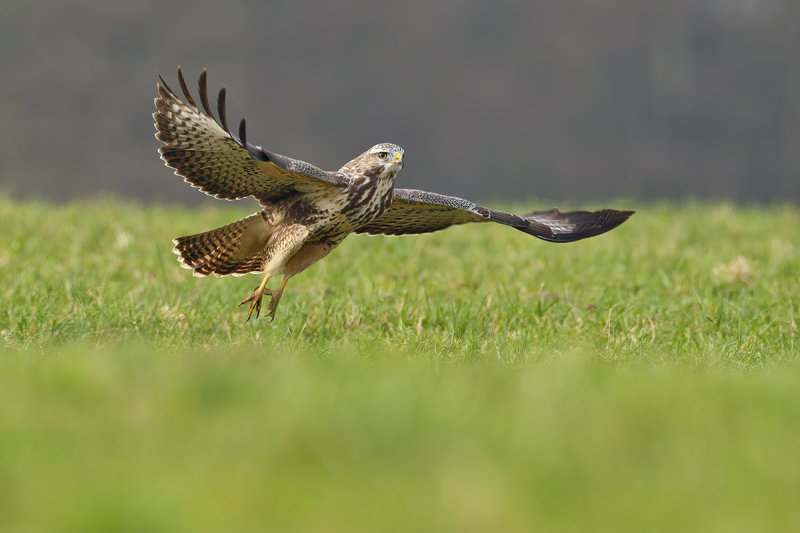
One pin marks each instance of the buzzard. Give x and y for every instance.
(306, 211)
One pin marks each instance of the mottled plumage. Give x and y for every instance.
(306, 211)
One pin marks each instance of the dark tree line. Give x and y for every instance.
(583, 100)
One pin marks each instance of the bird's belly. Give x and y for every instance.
(310, 253)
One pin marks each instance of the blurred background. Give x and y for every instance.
(583, 101)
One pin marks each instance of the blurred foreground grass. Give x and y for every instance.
(127, 440)
(470, 380)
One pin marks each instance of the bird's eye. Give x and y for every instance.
(383, 155)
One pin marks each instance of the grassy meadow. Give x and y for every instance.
(475, 379)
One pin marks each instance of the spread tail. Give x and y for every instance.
(237, 248)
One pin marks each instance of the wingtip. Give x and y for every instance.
(621, 215)
(202, 83)
(612, 218)
(164, 90)
(221, 108)
(243, 133)
(184, 88)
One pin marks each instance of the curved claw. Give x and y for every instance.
(255, 302)
(258, 294)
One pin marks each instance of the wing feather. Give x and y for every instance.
(208, 156)
(576, 225)
(414, 211)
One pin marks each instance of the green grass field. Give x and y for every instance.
(475, 379)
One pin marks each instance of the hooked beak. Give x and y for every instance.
(398, 159)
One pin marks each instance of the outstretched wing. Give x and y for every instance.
(415, 211)
(220, 163)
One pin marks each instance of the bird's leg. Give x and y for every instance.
(276, 297)
(255, 298)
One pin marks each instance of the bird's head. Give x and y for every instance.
(381, 161)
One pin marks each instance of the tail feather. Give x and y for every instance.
(237, 248)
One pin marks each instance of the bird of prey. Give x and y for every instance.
(305, 211)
